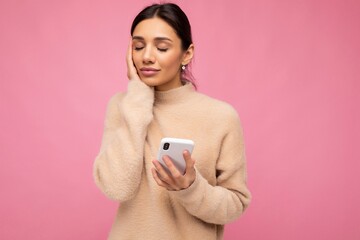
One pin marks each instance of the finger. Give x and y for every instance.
(163, 175)
(172, 168)
(131, 70)
(157, 179)
(128, 55)
(189, 161)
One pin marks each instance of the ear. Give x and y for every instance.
(188, 55)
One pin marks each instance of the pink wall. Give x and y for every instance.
(291, 68)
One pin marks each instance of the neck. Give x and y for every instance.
(174, 95)
(175, 83)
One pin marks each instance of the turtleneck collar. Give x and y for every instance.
(174, 95)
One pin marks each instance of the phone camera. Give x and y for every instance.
(166, 146)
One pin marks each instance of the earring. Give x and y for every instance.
(183, 67)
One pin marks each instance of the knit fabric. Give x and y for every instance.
(134, 125)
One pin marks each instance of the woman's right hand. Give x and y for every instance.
(131, 70)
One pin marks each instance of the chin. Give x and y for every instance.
(150, 82)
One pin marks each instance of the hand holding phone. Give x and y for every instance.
(174, 148)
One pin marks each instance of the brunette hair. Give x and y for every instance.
(177, 19)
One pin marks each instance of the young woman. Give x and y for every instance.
(161, 101)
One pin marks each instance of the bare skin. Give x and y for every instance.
(157, 54)
(176, 181)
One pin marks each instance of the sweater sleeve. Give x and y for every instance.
(226, 201)
(117, 167)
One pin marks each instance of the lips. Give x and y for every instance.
(149, 72)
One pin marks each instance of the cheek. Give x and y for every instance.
(171, 61)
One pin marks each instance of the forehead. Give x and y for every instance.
(153, 28)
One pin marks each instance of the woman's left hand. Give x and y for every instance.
(174, 181)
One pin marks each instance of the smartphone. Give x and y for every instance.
(174, 148)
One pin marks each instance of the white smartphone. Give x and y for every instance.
(174, 148)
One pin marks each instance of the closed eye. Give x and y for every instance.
(162, 49)
(138, 48)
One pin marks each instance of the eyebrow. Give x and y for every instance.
(156, 39)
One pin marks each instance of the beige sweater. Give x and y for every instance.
(135, 122)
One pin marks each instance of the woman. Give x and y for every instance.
(161, 102)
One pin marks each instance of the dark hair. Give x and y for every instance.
(177, 19)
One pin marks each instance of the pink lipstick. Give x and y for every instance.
(149, 72)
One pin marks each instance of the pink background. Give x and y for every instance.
(290, 68)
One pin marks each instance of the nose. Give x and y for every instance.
(148, 57)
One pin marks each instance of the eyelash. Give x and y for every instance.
(160, 49)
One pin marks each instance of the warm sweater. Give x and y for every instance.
(134, 125)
